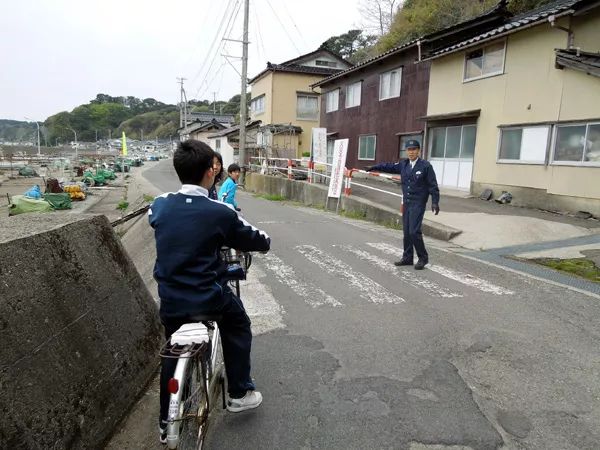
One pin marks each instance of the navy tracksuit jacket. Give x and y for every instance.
(418, 184)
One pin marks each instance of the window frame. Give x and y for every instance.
(256, 99)
(399, 69)
(218, 144)
(316, 97)
(328, 63)
(374, 136)
(327, 95)
(359, 83)
(484, 75)
(554, 141)
(460, 157)
(543, 162)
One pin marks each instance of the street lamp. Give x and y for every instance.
(76, 146)
(38, 135)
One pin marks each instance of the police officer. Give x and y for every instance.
(418, 183)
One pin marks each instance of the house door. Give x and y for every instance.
(451, 151)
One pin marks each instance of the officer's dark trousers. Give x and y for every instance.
(412, 220)
(236, 338)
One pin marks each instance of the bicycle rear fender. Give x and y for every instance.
(175, 402)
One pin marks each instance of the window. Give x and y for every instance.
(330, 146)
(577, 144)
(404, 139)
(527, 144)
(353, 94)
(307, 107)
(485, 61)
(452, 142)
(257, 105)
(366, 147)
(389, 84)
(332, 100)
(324, 63)
(217, 144)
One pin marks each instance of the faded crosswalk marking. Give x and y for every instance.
(286, 275)
(461, 277)
(367, 288)
(410, 278)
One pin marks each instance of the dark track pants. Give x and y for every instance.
(412, 220)
(236, 338)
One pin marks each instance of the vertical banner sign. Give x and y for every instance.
(124, 145)
(340, 149)
(319, 145)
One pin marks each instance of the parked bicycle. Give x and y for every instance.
(200, 371)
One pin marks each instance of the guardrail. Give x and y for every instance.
(290, 166)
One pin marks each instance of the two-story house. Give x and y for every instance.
(379, 104)
(517, 108)
(282, 99)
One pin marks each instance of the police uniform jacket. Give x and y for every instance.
(418, 183)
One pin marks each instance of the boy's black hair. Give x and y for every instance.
(233, 168)
(191, 161)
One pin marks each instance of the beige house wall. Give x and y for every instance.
(280, 90)
(531, 90)
(263, 86)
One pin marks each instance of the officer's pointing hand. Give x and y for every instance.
(435, 208)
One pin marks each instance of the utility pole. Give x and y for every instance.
(142, 133)
(182, 104)
(243, 106)
(76, 144)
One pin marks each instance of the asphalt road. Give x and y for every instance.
(351, 352)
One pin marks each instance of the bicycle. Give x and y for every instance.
(200, 370)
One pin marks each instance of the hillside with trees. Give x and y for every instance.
(107, 116)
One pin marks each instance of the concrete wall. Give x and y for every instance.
(316, 195)
(79, 332)
(531, 90)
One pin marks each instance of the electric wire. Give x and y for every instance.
(294, 23)
(233, 16)
(213, 42)
(227, 31)
(282, 26)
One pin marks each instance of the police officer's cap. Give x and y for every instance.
(412, 144)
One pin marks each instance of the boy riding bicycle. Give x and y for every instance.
(189, 230)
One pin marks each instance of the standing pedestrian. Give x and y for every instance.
(418, 183)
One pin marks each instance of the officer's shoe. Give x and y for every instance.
(403, 262)
(420, 265)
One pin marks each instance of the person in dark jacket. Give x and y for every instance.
(218, 166)
(190, 229)
(418, 183)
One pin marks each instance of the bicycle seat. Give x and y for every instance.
(189, 334)
(206, 317)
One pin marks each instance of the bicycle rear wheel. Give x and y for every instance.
(194, 406)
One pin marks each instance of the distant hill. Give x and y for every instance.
(17, 131)
(107, 116)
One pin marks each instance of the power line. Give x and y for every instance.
(227, 30)
(260, 41)
(213, 42)
(283, 27)
(294, 23)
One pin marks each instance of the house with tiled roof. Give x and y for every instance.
(378, 104)
(282, 99)
(517, 108)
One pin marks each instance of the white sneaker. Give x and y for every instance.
(251, 400)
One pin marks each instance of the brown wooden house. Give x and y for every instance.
(379, 104)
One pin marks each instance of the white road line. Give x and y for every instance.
(464, 278)
(264, 311)
(410, 278)
(367, 288)
(286, 275)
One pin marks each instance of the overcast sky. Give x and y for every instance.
(57, 54)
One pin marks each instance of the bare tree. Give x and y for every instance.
(378, 14)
